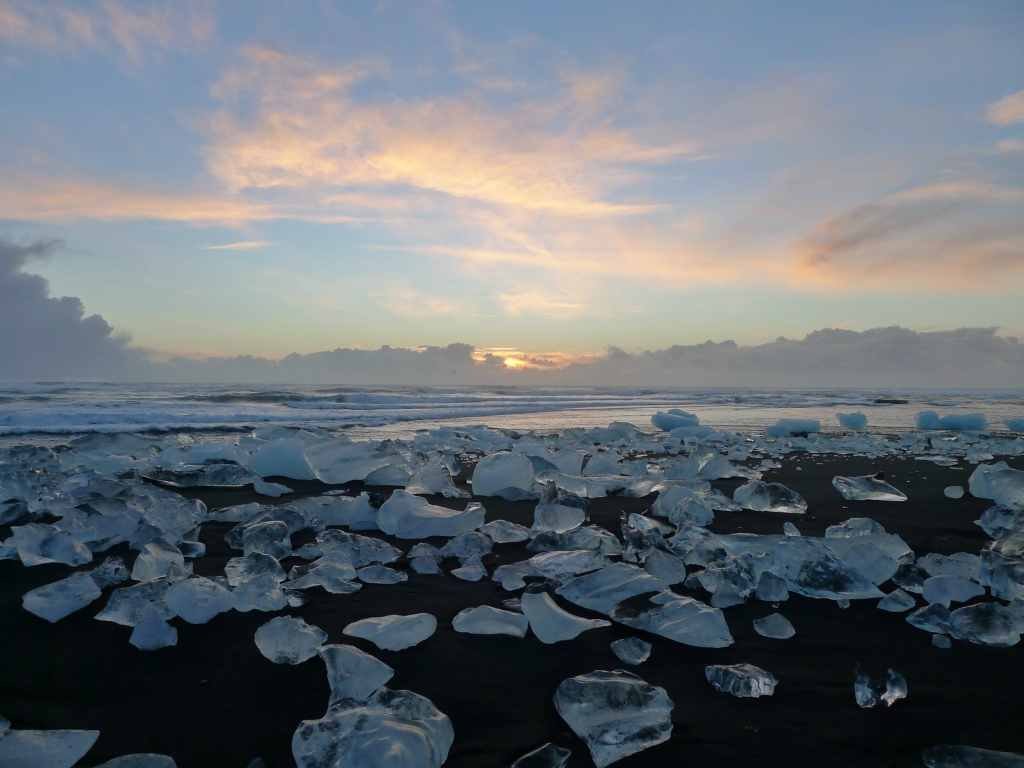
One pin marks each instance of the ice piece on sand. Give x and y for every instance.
(501, 471)
(953, 492)
(694, 511)
(152, 631)
(471, 570)
(931, 618)
(897, 601)
(408, 516)
(617, 714)
(678, 618)
(602, 590)
(61, 598)
(949, 756)
(353, 674)
(485, 620)
(394, 632)
(425, 565)
(867, 488)
(564, 565)
(585, 537)
(467, 545)
(1014, 425)
(504, 532)
(550, 623)
(45, 749)
(282, 458)
(5, 726)
(742, 680)
(381, 574)
(242, 569)
(869, 691)
(198, 600)
(771, 589)
(548, 756)
(270, 537)
(156, 560)
(726, 596)
(125, 605)
(855, 420)
(985, 624)
(812, 569)
(932, 420)
(434, 478)
(673, 420)
(759, 496)
(950, 589)
(668, 568)
(288, 640)
(273, 490)
(1005, 486)
(941, 641)
(784, 427)
(552, 516)
(141, 760)
(262, 593)
(788, 529)
(392, 729)
(632, 650)
(776, 626)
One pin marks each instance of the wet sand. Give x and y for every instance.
(213, 700)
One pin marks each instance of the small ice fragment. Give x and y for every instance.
(425, 565)
(726, 596)
(352, 673)
(394, 632)
(108, 573)
(270, 537)
(742, 680)
(989, 624)
(152, 631)
(843, 603)
(381, 574)
(142, 760)
(288, 640)
(564, 565)
(262, 593)
(616, 713)
(548, 756)
(896, 601)
(954, 492)
(435, 478)
(678, 618)
(274, 490)
(950, 589)
(948, 756)
(471, 570)
(869, 691)
(156, 559)
(776, 625)
(771, 589)
(45, 749)
(867, 488)
(790, 530)
(759, 496)
(61, 598)
(931, 618)
(941, 641)
(668, 568)
(242, 569)
(553, 516)
(632, 650)
(784, 427)
(467, 545)
(504, 532)
(550, 623)
(199, 599)
(485, 620)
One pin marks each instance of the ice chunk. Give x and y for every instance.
(334, 572)
(552, 516)
(953, 492)
(941, 641)
(261, 593)
(426, 566)
(355, 512)
(501, 471)
(38, 544)
(568, 460)
(855, 526)
(962, 564)
(632, 650)
(617, 714)
(514, 575)
(381, 574)
(434, 478)
(985, 624)
(45, 749)
(353, 674)
(769, 497)
(125, 605)
(156, 560)
(673, 420)
(390, 474)
(273, 490)
(467, 545)
(198, 600)
(485, 620)
(690, 510)
(288, 640)
(585, 537)
(788, 529)
(784, 427)
(948, 756)
(504, 532)
(242, 569)
(339, 460)
(771, 589)
(550, 623)
(931, 618)
(668, 568)
(678, 618)
(394, 632)
(957, 421)
(810, 568)
(742, 680)
(357, 550)
(869, 691)
(392, 729)
(471, 570)
(548, 756)
(564, 565)
(270, 537)
(212, 475)
(867, 488)
(411, 517)
(602, 590)
(856, 420)
(910, 578)
(61, 598)
(897, 601)
(1005, 486)
(282, 458)
(141, 760)
(950, 589)
(867, 559)
(776, 626)
(151, 630)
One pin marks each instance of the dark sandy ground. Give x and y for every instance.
(213, 700)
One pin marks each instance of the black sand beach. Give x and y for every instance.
(213, 700)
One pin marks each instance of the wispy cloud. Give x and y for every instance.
(1007, 111)
(247, 245)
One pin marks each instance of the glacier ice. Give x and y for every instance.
(856, 420)
(45, 749)
(56, 600)
(339, 460)
(585, 537)
(771, 589)
(381, 574)
(125, 605)
(564, 565)
(669, 569)
(867, 488)
(485, 620)
(197, 600)
(270, 538)
(434, 478)
(632, 650)
(156, 560)
(769, 497)
(288, 640)
(282, 458)
(897, 601)
(741, 680)
(678, 618)
(674, 419)
(617, 713)
(411, 517)
(261, 593)
(242, 569)
(1005, 486)
(869, 691)
(602, 590)
(949, 756)
(500, 472)
(273, 490)
(333, 571)
(504, 532)
(953, 421)
(941, 641)
(548, 756)
(931, 618)
(553, 516)
(467, 545)
(352, 673)
(426, 566)
(784, 427)
(151, 630)
(776, 626)
(355, 549)
(984, 624)
(550, 623)
(470, 570)
(394, 632)
(950, 589)
(953, 492)
(811, 569)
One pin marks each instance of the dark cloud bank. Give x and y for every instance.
(47, 339)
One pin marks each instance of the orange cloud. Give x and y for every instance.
(1007, 111)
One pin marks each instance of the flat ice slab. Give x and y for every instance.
(55, 601)
(632, 650)
(288, 640)
(550, 623)
(352, 673)
(394, 632)
(411, 517)
(45, 749)
(485, 620)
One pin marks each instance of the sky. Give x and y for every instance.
(546, 183)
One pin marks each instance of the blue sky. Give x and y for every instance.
(532, 178)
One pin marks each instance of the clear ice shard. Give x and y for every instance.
(352, 673)
(856, 420)
(984, 624)
(550, 623)
(617, 714)
(953, 492)
(564, 565)
(408, 516)
(270, 537)
(152, 631)
(61, 598)
(771, 589)
(759, 496)
(602, 590)
(45, 749)
(485, 620)
(585, 537)
(141, 760)
(1005, 486)
(931, 618)
(867, 488)
(262, 593)
(548, 756)
(156, 560)
(678, 618)
(950, 589)
(788, 529)
(426, 566)
(776, 625)
(950, 756)
(471, 570)
(632, 650)
(273, 490)
(669, 569)
(125, 605)
(501, 471)
(434, 478)
(742, 680)
(897, 601)
(467, 545)
(394, 632)
(198, 600)
(381, 574)
(553, 516)
(392, 729)
(242, 569)
(941, 641)
(691, 510)
(869, 691)
(504, 532)
(811, 568)
(288, 640)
